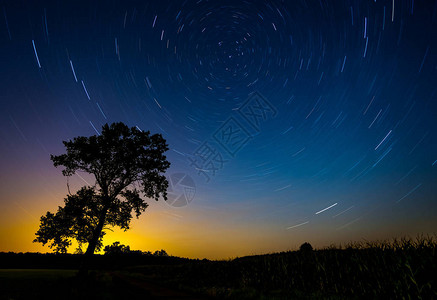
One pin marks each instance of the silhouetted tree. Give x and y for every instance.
(116, 249)
(121, 159)
(161, 252)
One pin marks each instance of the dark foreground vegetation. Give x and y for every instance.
(385, 270)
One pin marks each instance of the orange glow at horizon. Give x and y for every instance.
(187, 233)
(199, 230)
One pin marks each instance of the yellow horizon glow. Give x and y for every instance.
(197, 231)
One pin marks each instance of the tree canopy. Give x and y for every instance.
(116, 249)
(126, 162)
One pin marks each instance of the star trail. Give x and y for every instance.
(296, 120)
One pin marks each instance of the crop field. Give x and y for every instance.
(397, 269)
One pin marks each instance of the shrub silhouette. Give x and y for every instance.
(306, 247)
(161, 252)
(116, 249)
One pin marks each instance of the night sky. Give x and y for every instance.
(291, 121)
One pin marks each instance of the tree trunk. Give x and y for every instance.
(83, 270)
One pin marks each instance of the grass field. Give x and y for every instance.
(395, 269)
(44, 284)
(100, 284)
(385, 270)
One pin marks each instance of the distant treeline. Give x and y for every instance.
(11, 260)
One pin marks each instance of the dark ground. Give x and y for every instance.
(63, 284)
(402, 269)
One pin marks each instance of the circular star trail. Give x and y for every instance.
(341, 144)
